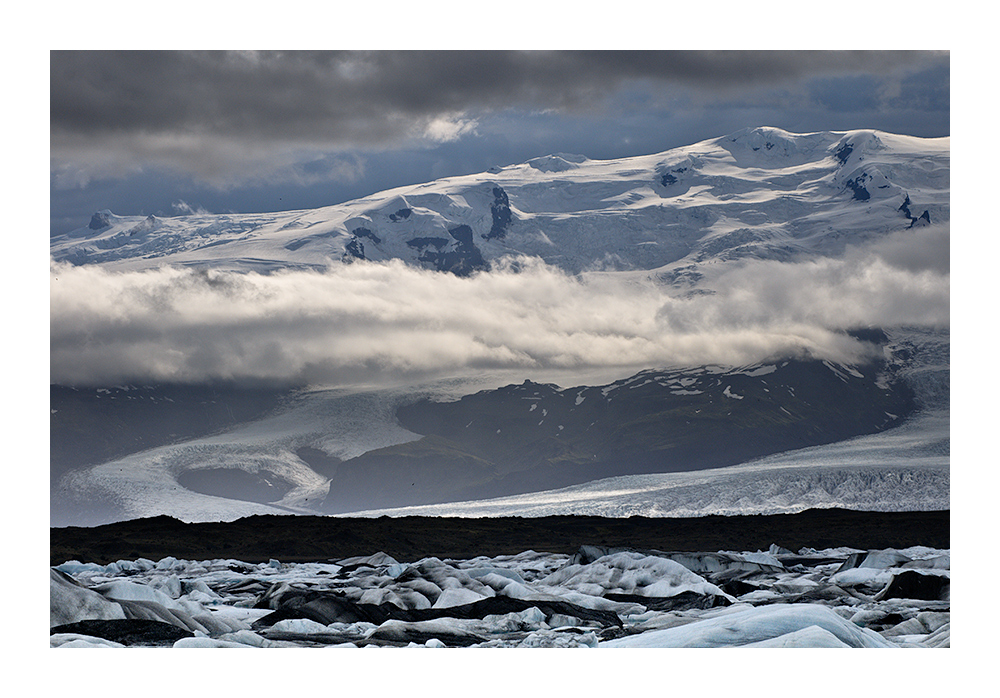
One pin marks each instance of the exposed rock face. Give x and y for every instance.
(844, 152)
(668, 178)
(362, 232)
(148, 224)
(857, 185)
(500, 211)
(462, 258)
(354, 249)
(100, 220)
(923, 219)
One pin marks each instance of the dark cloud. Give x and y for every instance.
(367, 97)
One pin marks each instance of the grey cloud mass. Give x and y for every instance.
(359, 96)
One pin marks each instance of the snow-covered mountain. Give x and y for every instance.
(678, 219)
(758, 193)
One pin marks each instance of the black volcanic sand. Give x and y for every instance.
(314, 538)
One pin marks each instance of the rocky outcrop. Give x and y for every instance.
(461, 258)
(501, 214)
(857, 186)
(100, 220)
(923, 219)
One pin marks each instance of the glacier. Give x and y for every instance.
(906, 468)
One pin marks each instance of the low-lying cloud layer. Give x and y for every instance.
(371, 321)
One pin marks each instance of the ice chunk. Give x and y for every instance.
(377, 560)
(170, 585)
(450, 631)
(813, 636)
(632, 573)
(528, 619)
(859, 576)
(208, 642)
(75, 567)
(754, 625)
(457, 597)
(481, 573)
(299, 625)
(247, 637)
(882, 559)
(77, 640)
(123, 590)
(70, 602)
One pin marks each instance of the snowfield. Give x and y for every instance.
(758, 193)
(598, 598)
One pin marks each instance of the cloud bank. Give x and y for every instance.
(367, 322)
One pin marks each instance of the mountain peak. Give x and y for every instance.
(557, 162)
(760, 192)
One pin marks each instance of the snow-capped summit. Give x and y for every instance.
(759, 192)
(557, 162)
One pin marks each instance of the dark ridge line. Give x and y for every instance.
(317, 538)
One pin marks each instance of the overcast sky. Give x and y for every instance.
(167, 132)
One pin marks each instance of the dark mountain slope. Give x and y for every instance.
(530, 437)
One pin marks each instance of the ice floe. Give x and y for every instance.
(598, 597)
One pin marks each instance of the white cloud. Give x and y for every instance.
(443, 129)
(183, 208)
(368, 320)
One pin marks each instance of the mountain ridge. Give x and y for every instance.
(532, 437)
(760, 192)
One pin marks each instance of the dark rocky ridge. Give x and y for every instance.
(501, 214)
(857, 185)
(100, 220)
(924, 217)
(532, 437)
(317, 538)
(462, 259)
